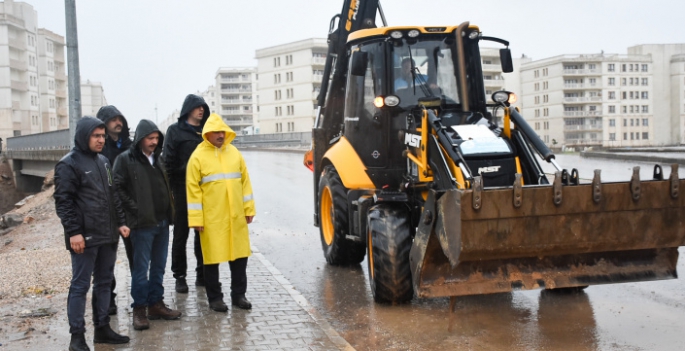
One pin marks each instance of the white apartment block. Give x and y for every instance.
(235, 99)
(32, 73)
(607, 100)
(92, 98)
(290, 81)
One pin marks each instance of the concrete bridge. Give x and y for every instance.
(32, 156)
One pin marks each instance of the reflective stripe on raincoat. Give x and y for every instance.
(219, 196)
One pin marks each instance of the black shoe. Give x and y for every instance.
(181, 286)
(105, 335)
(218, 306)
(199, 281)
(241, 302)
(78, 343)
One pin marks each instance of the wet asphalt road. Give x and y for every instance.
(633, 316)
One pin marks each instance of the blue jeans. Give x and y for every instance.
(96, 262)
(150, 248)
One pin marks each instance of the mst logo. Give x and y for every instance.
(412, 140)
(491, 169)
(352, 14)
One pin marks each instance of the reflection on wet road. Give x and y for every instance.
(634, 316)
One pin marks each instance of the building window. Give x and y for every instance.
(645, 95)
(644, 69)
(537, 86)
(612, 136)
(645, 122)
(612, 81)
(537, 99)
(545, 98)
(624, 81)
(612, 122)
(623, 67)
(624, 109)
(645, 81)
(545, 71)
(536, 73)
(545, 112)
(612, 109)
(645, 109)
(632, 136)
(645, 135)
(612, 95)
(624, 95)
(611, 67)
(537, 112)
(545, 85)
(625, 122)
(289, 59)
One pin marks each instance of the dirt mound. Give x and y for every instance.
(9, 195)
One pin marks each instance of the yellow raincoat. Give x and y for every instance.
(219, 196)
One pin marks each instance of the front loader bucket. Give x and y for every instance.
(499, 240)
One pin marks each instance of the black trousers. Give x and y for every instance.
(128, 246)
(238, 280)
(179, 259)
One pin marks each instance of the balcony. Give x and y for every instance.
(17, 43)
(583, 127)
(581, 71)
(240, 90)
(582, 113)
(18, 65)
(491, 68)
(6, 18)
(20, 86)
(582, 142)
(583, 99)
(62, 111)
(61, 93)
(318, 61)
(231, 112)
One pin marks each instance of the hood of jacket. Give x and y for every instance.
(105, 113)
(216, 124)
(84, 128)
(146, 127)
(191, 102)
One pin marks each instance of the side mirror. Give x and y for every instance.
(505, 58)
(358, 63)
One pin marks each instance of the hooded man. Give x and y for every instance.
(181, 140)
(143, 187)
(93, 219)
(116, 142)
(220, 206)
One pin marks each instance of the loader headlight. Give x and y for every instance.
(396, 34)
(413, 33)
(378, 101)
(392, 100)
(474, 35)
(504, 97)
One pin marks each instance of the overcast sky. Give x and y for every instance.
(151, 53)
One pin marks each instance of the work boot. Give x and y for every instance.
(140, 321)
(105, 335)
(160, 310)
(199, 281)
(218, 306)
(181, 285)
(241, 302)
(78, 343)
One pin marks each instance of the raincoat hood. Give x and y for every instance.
(146, 127)
(84, 128)
(105, 113)
(191, 102)
(216, 124)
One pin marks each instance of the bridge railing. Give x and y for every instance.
(278, 139)
(55, 140)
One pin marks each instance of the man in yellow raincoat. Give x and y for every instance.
(220, 206)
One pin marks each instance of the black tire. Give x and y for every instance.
(389, 242)
(334, 226)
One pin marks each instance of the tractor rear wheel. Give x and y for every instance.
(334, 226)
(389, 242)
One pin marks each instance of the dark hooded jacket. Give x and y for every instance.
(85, 199)
(133, 183)
(180, 142)
(111, 151)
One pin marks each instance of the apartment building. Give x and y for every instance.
(32, 73)
(234, 97)
(606, 100)
(289, 84)
(92, 98)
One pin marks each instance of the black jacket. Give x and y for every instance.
(133, 184)
(180, 142)
(111, 151)
(85, 199)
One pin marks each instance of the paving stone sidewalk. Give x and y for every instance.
(280, 319)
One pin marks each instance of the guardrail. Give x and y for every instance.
(277, 139)
(55, 140)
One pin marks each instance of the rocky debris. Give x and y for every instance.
(49, 180)
(35, 272)
(5, 177)
(28, 219)
(41, 312)
(10, 220)
(24, 201)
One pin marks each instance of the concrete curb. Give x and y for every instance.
(338, 340)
